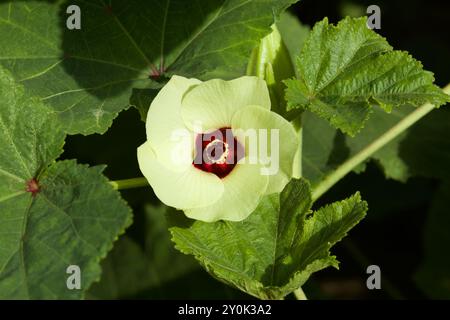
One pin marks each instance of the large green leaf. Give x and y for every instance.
(130, 269)
(276, 249)
(344, 69)
(52, 215)
(413, 152)
(86, 75)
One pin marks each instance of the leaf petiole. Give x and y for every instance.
(129, 183)
(299, 294)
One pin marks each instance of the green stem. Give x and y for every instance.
(299, 294)
(129, 183)
(297, 123)
(369, 150)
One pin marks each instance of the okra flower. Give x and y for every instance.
(214, 148)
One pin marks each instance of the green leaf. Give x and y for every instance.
(323, 148)
(52, 215)
(130, 270)
(276, 249)
(30, 136)
(294, 33)
(87, 75)
(223, 45)
(125, 272)
(141, 100)
(388, 157)
(433, 275)
(345, 69)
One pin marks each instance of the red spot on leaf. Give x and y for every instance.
(33, 187)
(155, 73)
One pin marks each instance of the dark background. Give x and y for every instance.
(392, 234)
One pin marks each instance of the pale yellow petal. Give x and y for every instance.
(170, 138)
(276, 145)
(191, 188)
(213, 103)
(243, 189)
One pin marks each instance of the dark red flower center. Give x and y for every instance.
(217, 152)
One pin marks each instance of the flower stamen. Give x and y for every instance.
(210, 151)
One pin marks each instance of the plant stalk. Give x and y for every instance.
(129, 183)
(297, 123)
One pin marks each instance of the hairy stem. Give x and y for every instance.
(369, 150)
(129, 183)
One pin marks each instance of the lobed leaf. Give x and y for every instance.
(87, 75)
(344, 69)
(52, 214)
(276, 249)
